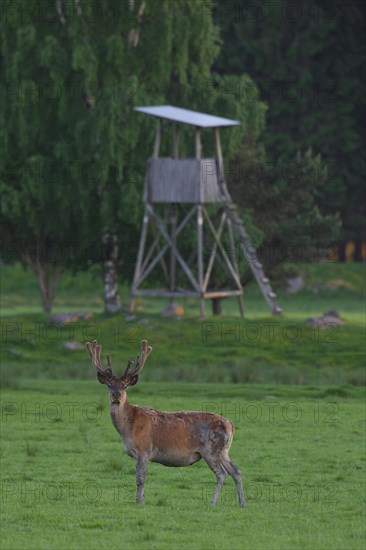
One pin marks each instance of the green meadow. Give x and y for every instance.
(295, 395)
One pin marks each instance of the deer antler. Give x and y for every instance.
(140, 361)
(94, 351)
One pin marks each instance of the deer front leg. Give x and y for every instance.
(141, 471)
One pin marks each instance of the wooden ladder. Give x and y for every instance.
(251, 255)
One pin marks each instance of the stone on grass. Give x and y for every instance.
(173, 310)
(61, 319)
(328, 319)
(72, 346)
(130, 317)
(295, 284)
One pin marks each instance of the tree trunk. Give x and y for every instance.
(47, 273)
(112, 302)
(45, 289)
(216, 306)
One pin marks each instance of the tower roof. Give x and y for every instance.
(185, 116)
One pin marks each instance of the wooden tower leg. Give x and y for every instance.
(235, 263)
(198, 150)
(200, 258)
(173, 236)
(173, 221)
(140, 256)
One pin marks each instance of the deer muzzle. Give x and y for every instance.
(116, 396)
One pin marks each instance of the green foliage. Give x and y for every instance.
(75, 149)
(281, 201)
(306, 59)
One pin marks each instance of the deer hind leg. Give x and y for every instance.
(141, 471)
(220, 474)
(236, 475)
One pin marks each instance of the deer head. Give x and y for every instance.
(117, 386)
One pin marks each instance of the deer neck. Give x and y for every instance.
(120, 414)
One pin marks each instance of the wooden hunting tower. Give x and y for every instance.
(177, 193)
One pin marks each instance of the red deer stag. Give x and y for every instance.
(171, 439)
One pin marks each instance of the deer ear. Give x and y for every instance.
(132, 381)
(101, 378)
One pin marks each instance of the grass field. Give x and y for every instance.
(66, 483)
(295, 395)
